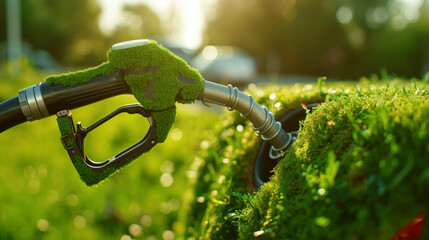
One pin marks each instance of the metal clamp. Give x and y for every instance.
(32, 104)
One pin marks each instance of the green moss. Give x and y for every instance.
(79, 77)
(91, 177)
(359, 169)
(165, 120)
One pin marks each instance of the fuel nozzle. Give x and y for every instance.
(263, 120)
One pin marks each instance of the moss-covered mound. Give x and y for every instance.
(359, 170)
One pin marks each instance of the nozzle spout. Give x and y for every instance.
(263, 120)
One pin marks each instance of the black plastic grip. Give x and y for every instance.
(10, 114)
(58, 98)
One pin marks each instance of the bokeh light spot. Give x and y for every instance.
(72, 200)
(168, 235)
(166, 180)
(42, 225)
(146, 220)
(79, 222)
(210, 53)
(126, 237)
(344, 15)
(176, 134)
(135, 230)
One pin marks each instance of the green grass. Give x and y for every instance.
(359, 169)
(42, 196)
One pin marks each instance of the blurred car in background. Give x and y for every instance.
(225, 64)
(185, 53)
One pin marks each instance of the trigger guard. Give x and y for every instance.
(125, 156)
(144, 145)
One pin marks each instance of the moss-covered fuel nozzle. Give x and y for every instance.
(157, 78)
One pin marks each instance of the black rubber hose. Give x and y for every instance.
(10, 114)
(58, 98)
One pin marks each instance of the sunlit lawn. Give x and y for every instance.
(42, 196)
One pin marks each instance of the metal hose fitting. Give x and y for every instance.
(32, 104)
(263, 120)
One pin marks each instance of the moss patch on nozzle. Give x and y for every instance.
(156, 76)
(158, 79)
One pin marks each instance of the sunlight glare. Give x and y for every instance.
(210, 52)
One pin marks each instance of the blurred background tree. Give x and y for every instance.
(343, 39)
(70, 31)
(339, 39)
(67, 30)
(139, 20)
